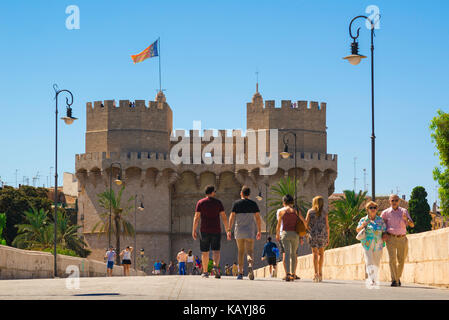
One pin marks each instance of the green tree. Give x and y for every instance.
(14, 202)
(419, 210)
(36, 232)
(283, 187)
(2, 227)
(440, 136)
(67, 235)
(344, 217)
(120, 226)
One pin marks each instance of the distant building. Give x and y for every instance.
(438, 221)
(70, 184)
(382, 201)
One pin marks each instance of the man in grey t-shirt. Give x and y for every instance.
(245, 213)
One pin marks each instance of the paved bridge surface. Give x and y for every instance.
(195, 287)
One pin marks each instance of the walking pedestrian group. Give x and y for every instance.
(373, 231)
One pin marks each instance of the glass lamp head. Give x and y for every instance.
(354, 59)
(118, 181)
(69, 119)
(285, 154)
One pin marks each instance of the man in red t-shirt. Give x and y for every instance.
(209, 210)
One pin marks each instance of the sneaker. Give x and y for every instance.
(240, 276)
(250, 273)
(217, 273)
(394, 283)
(205, 275)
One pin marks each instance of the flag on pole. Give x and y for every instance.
(151, 51)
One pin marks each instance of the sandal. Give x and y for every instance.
(287, 277)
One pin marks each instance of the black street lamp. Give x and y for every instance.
(285, 154)
(118, 182)
(68, 119)
(354, 58)
(140, 208)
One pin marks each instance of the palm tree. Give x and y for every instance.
(36, 233)
(283, 187)
(344, 217)
(120, 226)
(67, 235)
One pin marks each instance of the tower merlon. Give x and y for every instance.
(125, 105)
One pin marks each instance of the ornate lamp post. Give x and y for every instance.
(354, 58)
(140, 208)
(118, 182)
(68, 119)
(285, 154)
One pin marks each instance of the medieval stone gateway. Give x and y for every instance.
(138, 137)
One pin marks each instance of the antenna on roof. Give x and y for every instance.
(257, 80)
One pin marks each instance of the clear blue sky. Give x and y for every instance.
(210, 52)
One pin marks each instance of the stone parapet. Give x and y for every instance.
(427, 262)
(26, 264)
(102, 160)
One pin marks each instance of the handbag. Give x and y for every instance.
(300, 227)
(361, 235)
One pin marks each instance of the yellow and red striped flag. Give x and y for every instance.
(151, 51)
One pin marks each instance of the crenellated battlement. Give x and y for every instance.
(307, 119)
(298, 106)
(102, 161)
(125, 106)
(129, 125)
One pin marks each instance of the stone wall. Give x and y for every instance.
(427, 261)
(25, 264)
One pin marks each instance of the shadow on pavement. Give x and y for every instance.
(96, 294)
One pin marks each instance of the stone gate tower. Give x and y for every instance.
(138, 137)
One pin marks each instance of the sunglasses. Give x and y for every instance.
(394, 200)
(374, 208)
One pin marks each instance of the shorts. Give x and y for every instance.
(271, 261)
(110, 264)
(157, 271)
(281, 248)
(126, 261)
(210, 241)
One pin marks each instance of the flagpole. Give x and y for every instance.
(159, 54)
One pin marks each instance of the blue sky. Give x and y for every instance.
(210, 52)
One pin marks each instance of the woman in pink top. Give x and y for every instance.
(289, 237)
